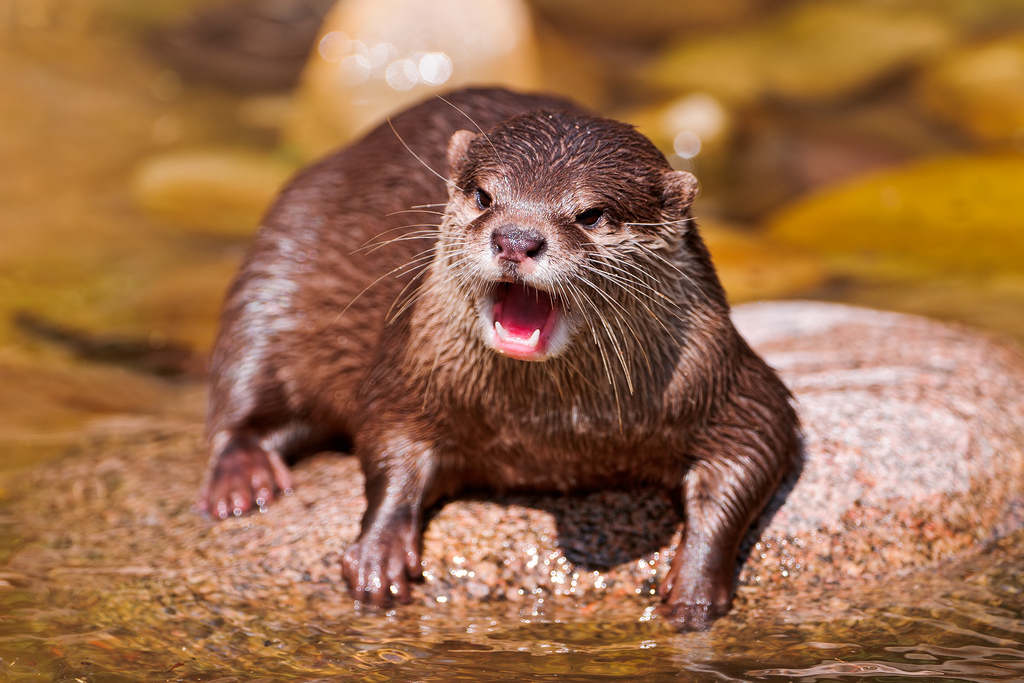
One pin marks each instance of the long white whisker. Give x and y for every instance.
(665, 260)
(404, 305)
(419, 159)
(619, 320)
(470, 119)
(415, 235)
(414, 210)
(417, 261)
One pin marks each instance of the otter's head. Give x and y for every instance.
(552, 220)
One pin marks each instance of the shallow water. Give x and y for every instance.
(82, 106)
(965, 624)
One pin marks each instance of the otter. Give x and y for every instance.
(496, 291)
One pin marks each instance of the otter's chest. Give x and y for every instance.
(565, 448)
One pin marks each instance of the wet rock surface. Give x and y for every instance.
(913, 431)
(913, 434)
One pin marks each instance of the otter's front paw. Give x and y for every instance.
(691, 616)
(691, 603)
(380, 566)
(242, 476)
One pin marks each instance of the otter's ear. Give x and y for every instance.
(458, 145)
(680, 190)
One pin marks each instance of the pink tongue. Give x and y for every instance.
(522, 309)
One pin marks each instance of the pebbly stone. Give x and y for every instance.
(914, 442)
(914, 453)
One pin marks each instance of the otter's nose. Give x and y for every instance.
(514, 244)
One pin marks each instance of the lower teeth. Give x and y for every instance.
(503, 335)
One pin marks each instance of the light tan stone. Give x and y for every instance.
(218, 191)
(377, 57)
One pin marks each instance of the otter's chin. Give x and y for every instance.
(523, 322)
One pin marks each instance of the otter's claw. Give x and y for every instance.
(243, 477)
(379, 568)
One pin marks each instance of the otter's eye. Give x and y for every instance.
(483, 200)
(590, 217)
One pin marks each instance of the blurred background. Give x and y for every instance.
(867, 151)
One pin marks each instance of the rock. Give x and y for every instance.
(780, 158)
(981, 90)
(184, 304)
(914, 452)
(376, 57)
(945, 215)
(242, 44)
(214, 191)
(697, 133)
(975, 16)
(573, 70)
(150, 354)
(44, 394)
(816, 52)
(644, 20)
(914, 438)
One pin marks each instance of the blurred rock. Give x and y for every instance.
(44, 393)
(245, 45)
(953, 214)
(752, 268)
(697, 133)
(980, 90)
(644, 20)
(991, 301)
(184, 303)
(572, 68)
(376, 57)
(154, 354)
(817, 52)
(779, 157)
(267, 112)
(973, 16)
(221, 192)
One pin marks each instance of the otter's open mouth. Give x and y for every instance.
(524, 319)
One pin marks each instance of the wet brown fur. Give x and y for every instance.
(354, 317)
